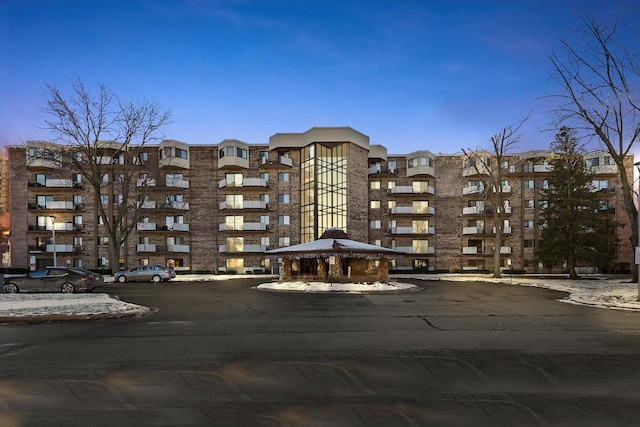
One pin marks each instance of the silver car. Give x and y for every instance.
(54, 279)
(145, 273)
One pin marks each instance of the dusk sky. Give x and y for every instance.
(411, 75)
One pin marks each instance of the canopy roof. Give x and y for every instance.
(334, 242)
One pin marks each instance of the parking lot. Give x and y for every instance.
(224, 353)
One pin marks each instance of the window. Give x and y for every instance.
(283, 176)
(391, 185)
(181, 154)
(376, 224)
(264, 219)
(264, 175)
(283, 219)
(263, 156)
(284, 241)
(420, 207)
(143, 157)
(283, 198)
(528, 167)
(420, 186)
(604, 205)
(529, 243)
(235, 264)
(590, 163)
(104, 198)
(234, 201)
(543, 184)
(166, 152)
(265, 263)
(392, 165)
(103, 240)
(221, 153)
(234, 222)
(264, 241)
(234, 179)
(230, 151)
(530, 203)
(600, 184)
(235, 244)
(41, 179)
(504, 164)
(420, 226)
(171, 179)
(391, 204)
(375, 204)
(529, 223)
(375, 185)
(420, 246)
(529, 183)
(608, 160)
(77, 199)
(241, 152)
(543, 204)
(264, 198)
(77, 178)
(377, 242)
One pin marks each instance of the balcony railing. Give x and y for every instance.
(146, 226)
(409, 250)
(246, 182)
(178, 248)
(247, 226)
(471, 210)
(146, 247)
(245, 249)
(411, 230)
(473, 230)
(60, 248)
(247, 204)
(408, 210)
(408, 189)
(472, 190)
(179, 226)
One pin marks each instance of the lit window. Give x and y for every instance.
(375, 204)
(375, 185)
(284, 241)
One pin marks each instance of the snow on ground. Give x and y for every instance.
(614, 292)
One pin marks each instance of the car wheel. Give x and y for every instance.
(11, 288)
(67, 288)
(122, 279)
(156, 279)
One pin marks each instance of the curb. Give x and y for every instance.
(66, 318)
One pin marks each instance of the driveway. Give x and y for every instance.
(223, 353)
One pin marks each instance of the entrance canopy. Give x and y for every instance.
(353, 258)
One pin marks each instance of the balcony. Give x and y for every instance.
(473, 230)
(505, 189)
(505, 230)
(282, 161)
(542, 168)
(41, 162)
(408, 210)
(247, 204)
(146, 247)
(60, 248)
(183, 206)
(471, 250)
(145, 183)
(245, 249)
(408, 189)
(146, 226)
(247, 226)
(147, 204)
(178, 248)
(409, 250)
(54, 205)
(411, 230)
(56, 183)
(475, 189)
(505, 249)
(246, 182)
(179, 226)
(473, 210)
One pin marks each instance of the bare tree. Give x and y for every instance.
(99, 133)
(493, 167)
(597, 75)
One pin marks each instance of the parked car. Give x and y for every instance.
(54, 279)
(145, 273)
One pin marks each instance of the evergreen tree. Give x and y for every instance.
(574, 231)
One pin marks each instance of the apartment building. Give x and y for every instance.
(219, 207)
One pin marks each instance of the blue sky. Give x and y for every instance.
(412, 75)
